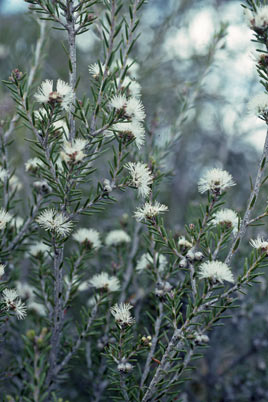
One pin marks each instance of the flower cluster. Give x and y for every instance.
(258, 105)
(5, 217)
(38, 249)
(141, 177)
(122, 316)
(88, 237)
(54, 221)
(13, 303)
(117, 238)
(260, 244)
(33, 165)
(259, 20)
(146, 261)
(105, 282)
(63, 95)
(216, 271)
(73, 152)
(149, 211)
(216, 181)
(227, 218)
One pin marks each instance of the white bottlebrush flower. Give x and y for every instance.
(61, 125)
(33, 165)
(216, 270)
(118, 102)
(73, 152)
(149, 211)
(141, 177)
(38, 249)
(121, 313)
(226, 218)
(20, 309)
(89, 237)
(2, 270)
(104, 281)
(116, 238)
(9, 295)
(5, 217)
(41, 114)
(261, 18)
(94, 70)
(133, 68)
(3, 174)
(258, 104)
(133, 87)
(146, 261)
(184, 243)
(63, 95)
(54, 221)
(131, 130)
(259, 244)
(135, 109)
(216, 181)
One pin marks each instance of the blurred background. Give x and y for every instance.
(195, 88)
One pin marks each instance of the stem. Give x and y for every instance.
(251, 202)
(72, 68)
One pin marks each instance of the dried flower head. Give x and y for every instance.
(227, 218)
(117, 238)
(88, 237)
(149, 211)
(105, 282)
(5, 217)
(141, 177)
(258, 105)
(63, 95)
(146, 261)
(73, 152)
(54, 221)
(216, 271)
(216, 181)
(121, 313)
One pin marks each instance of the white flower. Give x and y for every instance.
(259, 243)
(73, 152)
(33, 165)
(124, 366)
(104, 281)
(249, 17)
(9, 295)
(146, 261)
(258, 104)
(226, 218)
(135, 109)
(94, 69)
(184, 243)
(131, 130)
(2, 270)
(116, 238)
(90, 237)
(216, 270)
(63, 95)
(38, 248)
(261, 18)
(122, 315)
(149, 211)
(5, 217)
(3, 174)
(20, 309)
(216, 181)
(133, 87)
(40, 114)
(141, 177)
(24, 290)
(133, 68)
(61, 125)
(54, 221)
(118, 102)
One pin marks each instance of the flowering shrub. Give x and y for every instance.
(136, 304)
